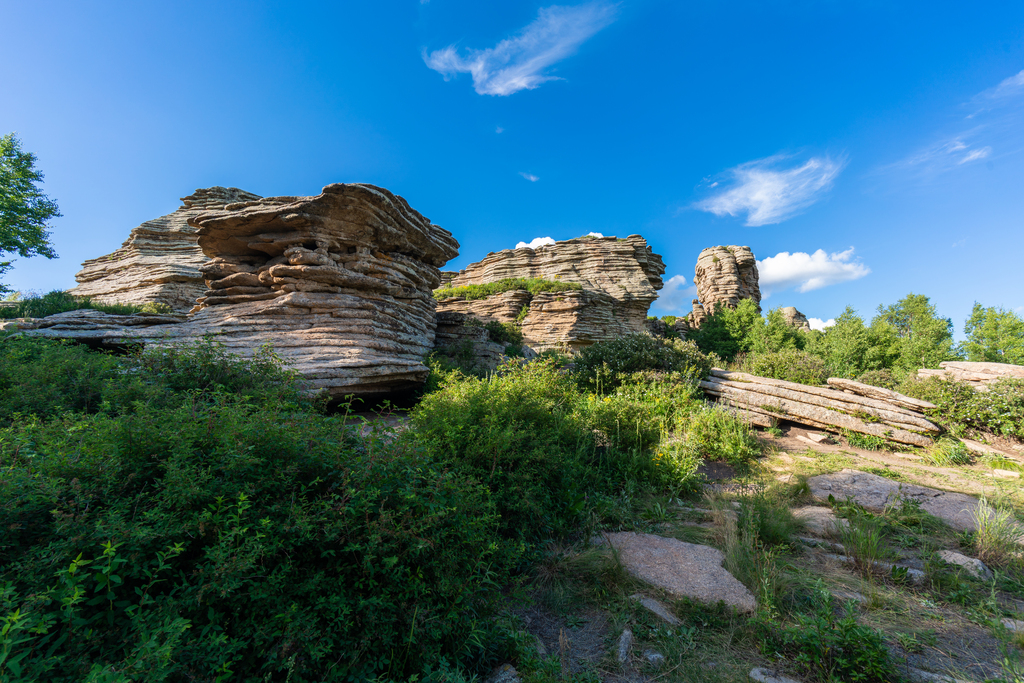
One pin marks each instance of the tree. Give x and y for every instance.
(729, 331)
(925, 339)
(24, 209)
(994, 335)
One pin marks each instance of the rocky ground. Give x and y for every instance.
(641, 603)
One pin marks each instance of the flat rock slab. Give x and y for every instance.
(819, 521)
(762, 675)
(971, 565)
(681, 569)
(874, 493)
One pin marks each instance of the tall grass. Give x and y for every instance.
(59, 301)
(997, 540)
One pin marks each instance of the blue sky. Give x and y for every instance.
(862, 149)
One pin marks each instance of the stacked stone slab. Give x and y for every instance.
(159, 262)
(977, 374)
(339, 284)
(724, 276)
(620, 278)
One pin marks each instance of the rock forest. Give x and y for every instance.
(271, 439)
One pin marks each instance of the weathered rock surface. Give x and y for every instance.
(978, 375)
(94, 327)
(681, 569)
(619, 279)
(795, 318)
(456, 336)
(723, 276)
(339, 284)
(160, 260)
(820, 521)
(874, 493)
(971, 565)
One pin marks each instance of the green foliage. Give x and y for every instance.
(504, 333)
(532, 285)
(536, 443)
(729, 331)
(24, 209)
(960, 408)
(59, 301)
(605, 365)
(184, 523)
(924, 339)
(947, 453)
(789, 364)
(718, 434)
(776, 335)
(850, 349)
(994, 335)
(830, 648)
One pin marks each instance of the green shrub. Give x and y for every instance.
(532, 285)
(212, 531)
(59, 301)
(507, 334)
(828, 648)
(879, 378)
(604, 365)
(718, 434)
(791, 365)
(960, 408)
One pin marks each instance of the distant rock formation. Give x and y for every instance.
(620, 278)
(160, 260)
(455, 337)
(723, 277)
(795, 318)
(340, 284)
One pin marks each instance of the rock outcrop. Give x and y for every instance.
(723, 276)
(795, 318)
(339, 284)
(978, 375)
(159, 262)
(619, 279)
(458, 337)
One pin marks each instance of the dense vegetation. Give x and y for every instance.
(59, 301)
(532, 285)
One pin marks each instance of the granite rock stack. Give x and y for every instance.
(724, 276)
(159, 262)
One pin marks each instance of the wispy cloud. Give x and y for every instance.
(499, 130)
(676, 296)
(768, 191)
(535, 242)
(990, 129)
(520, 62)
(819, 324)
(807, 272)
(529, 176)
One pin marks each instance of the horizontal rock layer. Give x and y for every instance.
(160, 260)
(978, 375)
(723, 276)
(619, 279)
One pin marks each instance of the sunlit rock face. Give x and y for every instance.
(339, 283)
(159, 262)
(724, 276)
(620, 278)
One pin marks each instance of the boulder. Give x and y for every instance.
(681, 569)
(795, 318)
(618, 279)
(874, 492)
(159, 262)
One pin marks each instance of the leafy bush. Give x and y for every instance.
(879, 378)
(791, 365)
(718, 434)
(507, 334)
(604, 365)
(214, 532)
(532, 285)
(829, 648)
(59, 301)
(960, 408)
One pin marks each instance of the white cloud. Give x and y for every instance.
(529, 176)
(768, 193)
(535, 242)
(819, 324)
(976, 154)
(594, 234)
(499, 130)
(675, 297)
(518, 63)
(807, 272)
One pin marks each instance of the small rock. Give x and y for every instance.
(1013, 625)
(625, 643)
(761, 675)
(914, 576)
(506, 673)
(819, 520)
(972, 565)
(817, 437)
(1005, 474)
(654, 658)
(982, 448)
(657, 609)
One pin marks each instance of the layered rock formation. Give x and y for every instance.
(619, 280)
(159, 262)
(795, 318)
(340, 284)
(978, 375)
(723, 277)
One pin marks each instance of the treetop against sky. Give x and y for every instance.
(863, 150)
